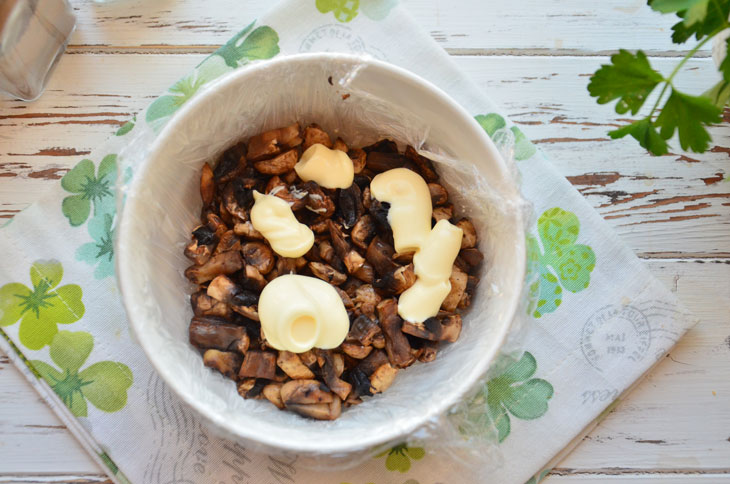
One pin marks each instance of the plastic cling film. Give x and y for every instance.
(360, 100)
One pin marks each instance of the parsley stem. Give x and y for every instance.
(690, 54)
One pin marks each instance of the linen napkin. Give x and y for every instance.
(599, 319)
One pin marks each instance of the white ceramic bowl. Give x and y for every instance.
(163, 205)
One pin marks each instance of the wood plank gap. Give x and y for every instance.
(704, 256)
(54, 479)
(629, 471)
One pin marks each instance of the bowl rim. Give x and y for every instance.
(124, 267)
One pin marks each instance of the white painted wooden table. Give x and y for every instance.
(534, 58)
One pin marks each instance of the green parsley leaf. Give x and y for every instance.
(645, 133)
(719, 94)
(689, 115)
(630, 78)
(704, 17)
(671, 6)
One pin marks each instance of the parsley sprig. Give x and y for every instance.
(630, 79)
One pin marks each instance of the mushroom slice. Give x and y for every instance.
(295, 197)
(258, 364)
(245, 229)
(291, 365)
(470, 233)
(379, 341)
(403, 258)
(224, 361)
(358, 157)
(327, 273)
(360, 382)
(252, 279)
(396, 343)
(382, 378)
(365, 273)
(305, 392)
(363, 231)
(451, 328)
(207, 333)
(223, 289)
(350, 205)
(356, 350)
(385, 145)
(430, 349)
(216, 225)
(471, 256)
(380, 256)
(439, 195)
(366, 299)
(228, 241)
(325, 251)
(271, 142)
(353, 261)
(379, 162)
(201, 246)
(272, 392)
(245, 386)
(424, 165)
(374, 361)
(314, 134)
(319, 411)
(379, 211)
(244, 302)
(207, 185)
(224, 263)
(340, 145)
(258, 255)
(364, 330)
(458, 282)
(278, 165)
(237, 199)
(331, 377)
(444, 212)
(204, 305)
(338, 239)
(309, 358)
(397, 281)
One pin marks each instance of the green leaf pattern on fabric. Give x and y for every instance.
(100, 252)
(103, 384)
(41, 309)
(560, 264)
(126, 127)
(89, 185)
(399, 457)
(246, 46)
(515, 392)
(346, 10)
(496, 127)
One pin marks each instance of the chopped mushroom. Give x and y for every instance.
(396, 343)
(350, 205)
(382, 378)
(223, 289)
(313, 134)
(207, 333)
(403, 258)
(327, 273)
(424, 165)
(252, 279)
(271, 142)
(358, 158)
(224, 263)
(204, 305)
(231, 164)
(258, 364)
(471, 256)
(346, 300)
(224, 361)
(380, 256)
(246, 230)
(237, 199)
(207, 186)
(305, 392)
(363, 231)
(451, 328)
(279, 164)
(331, 378)
(469, 239)
(444, 212)
(340, 145)
(308, 358)
(317, 201)
(272, 392)
(430, 329)
(397, 281)
(353, 261)
(429, 352)
(228, 241)
(291, 365)
(439, 195)
(379, 162)
(458, 282)
(356, 350)
(318, 411)
(364, 330)
(258, 255)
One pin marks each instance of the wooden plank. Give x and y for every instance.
(644, 198)
(465, 26)
(677, 420)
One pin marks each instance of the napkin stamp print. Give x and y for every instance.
(248, 45)
(99, 252)
(104, 384)
(399, 457)
(559, 261)
(40, 310)
(89, 186)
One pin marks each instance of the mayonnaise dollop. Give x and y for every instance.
(299, 313)
(273, 217)
(329, 168)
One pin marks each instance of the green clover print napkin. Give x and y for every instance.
(599, 320)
